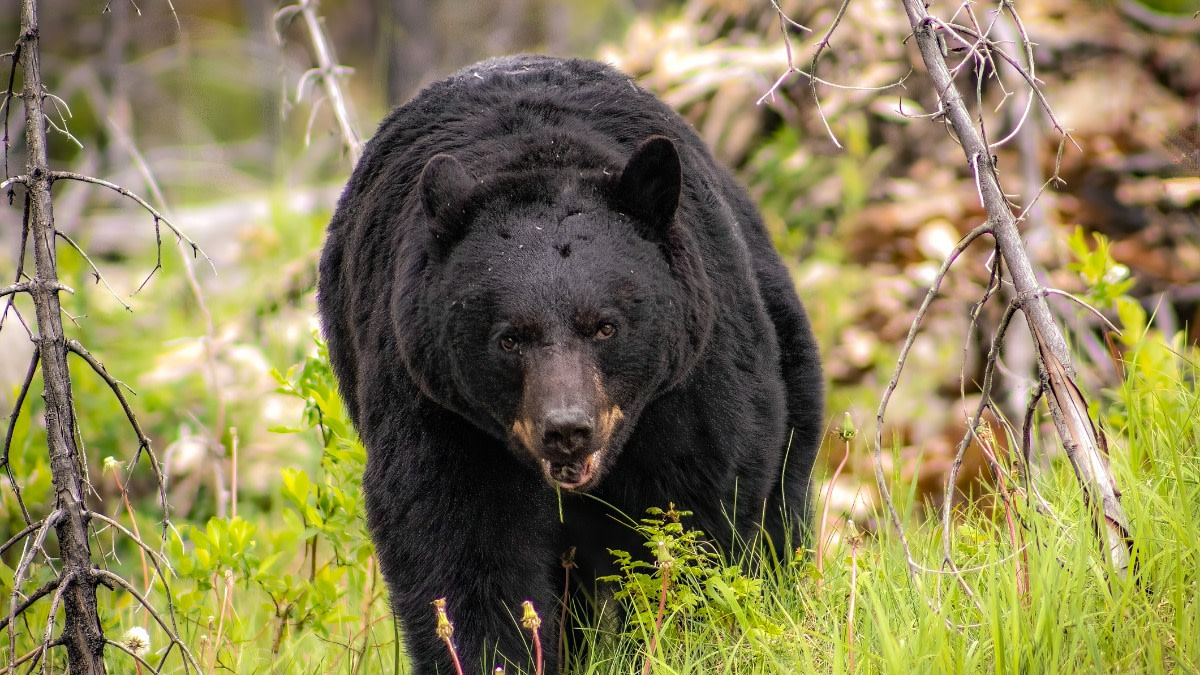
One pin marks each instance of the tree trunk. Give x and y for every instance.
(1083, 442)
(82, 634)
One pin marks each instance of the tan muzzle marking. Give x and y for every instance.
(608, 422)
(523, 430)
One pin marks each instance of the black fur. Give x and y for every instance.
(538, 274)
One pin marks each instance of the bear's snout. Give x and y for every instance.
(567, 432)
(560, 405)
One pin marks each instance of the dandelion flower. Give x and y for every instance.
(137, 640)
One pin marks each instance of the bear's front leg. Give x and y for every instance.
(465, 522)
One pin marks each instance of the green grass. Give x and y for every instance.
(1075, 618)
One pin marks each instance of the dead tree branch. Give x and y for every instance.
(12, 426)
(811, 73)
(963, 244)
(158, 217)
(143, 441)
(82, 634)
(327, 72)
(1083, 441)
(104, 576)
(75, 576)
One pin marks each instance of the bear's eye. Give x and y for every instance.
(605, 331)
(508, 343)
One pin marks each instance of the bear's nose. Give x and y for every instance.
(567, 430)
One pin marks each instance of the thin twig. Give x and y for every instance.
(155, 557)
(880, 479)
(32, 598)
(95, 270)
(70, 175)
(972, 424)
(20, 273)
(19, 576)
(9, 93)
(132, 653)
(1082, 303)
(811, 74)
(76, 348)
(12, 425)
(63, 584)
(22, 179)
(21, 535)
(1027, 429)
(1029, 79)
(327, 70)
(105, 575)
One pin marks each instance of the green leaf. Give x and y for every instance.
(7, 575)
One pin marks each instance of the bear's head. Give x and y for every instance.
(556, 305)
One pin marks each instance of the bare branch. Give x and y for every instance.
(74, 570)
(63, 584)
(1055, 179)
(968, 436)
(13, 181)
(158, 217)
(115, 579)
(158, 559)
(28, 287)
(811, 74)
(76, 348)
(12, 425)
(784, 18)
(816, 59)
(962, 245)
(1084, 443)
(20, 273)
(130, 652)
(9, 93)
(19, 577)
(1085, 305)
(32, 598)
(326, 70)
(1029, 79)
(21, 535)
(1027, 428)
(95, 270)
(155, 556)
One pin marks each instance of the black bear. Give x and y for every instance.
(539, 288)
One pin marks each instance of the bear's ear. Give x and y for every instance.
(444, 184)
(650, 183)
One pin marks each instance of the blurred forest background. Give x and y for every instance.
(202, 109)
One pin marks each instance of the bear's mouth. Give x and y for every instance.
(573, 474)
